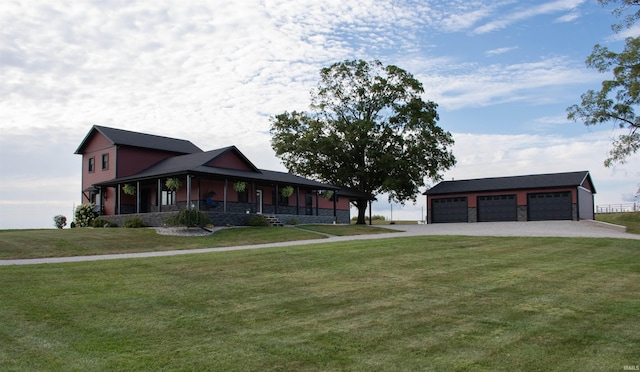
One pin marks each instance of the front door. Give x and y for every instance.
(308, 205)
(259, 201)
(145, 200)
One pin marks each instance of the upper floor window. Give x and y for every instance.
(105, 161)
(92, 164)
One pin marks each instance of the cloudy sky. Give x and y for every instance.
(213, 72)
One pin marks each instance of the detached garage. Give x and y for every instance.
(538, 197)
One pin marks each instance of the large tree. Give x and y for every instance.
(368, 129)
(616, 102)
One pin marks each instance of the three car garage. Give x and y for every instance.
(557, 196)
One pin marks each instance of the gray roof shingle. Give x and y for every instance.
(534, 181)
(142, 140)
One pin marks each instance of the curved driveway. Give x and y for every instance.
(585, 229)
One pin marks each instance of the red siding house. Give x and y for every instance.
(115, 160)
(556, 196)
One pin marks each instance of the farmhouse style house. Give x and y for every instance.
(125, 172)
(555, 196)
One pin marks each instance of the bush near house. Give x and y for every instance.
(190, 218)
(85, 214)
(257, 220)
(134, 223)
(103, 222)
(60, 221)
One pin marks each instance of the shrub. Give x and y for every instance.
(133, 223)
(373, 218)
(85, 214)
(257, 220)
(189, 218)
(60, 221)
(103, 222)
(292, 221)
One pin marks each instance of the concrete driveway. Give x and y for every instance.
(586, 229)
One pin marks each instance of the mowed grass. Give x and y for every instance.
(419, 303)
(84, 241)
(629, 219)
(348, 230)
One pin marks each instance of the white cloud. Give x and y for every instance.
(479, 85)
(498, 51)
(532, 11)
(633, 31)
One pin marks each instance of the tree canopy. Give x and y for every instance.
(368, 129)
(619, 97)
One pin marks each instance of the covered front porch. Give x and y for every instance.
(227, 200)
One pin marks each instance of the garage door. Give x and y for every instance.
(449, 210)
(549, 206)
(497, 208)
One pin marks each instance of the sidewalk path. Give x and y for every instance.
(584, 229)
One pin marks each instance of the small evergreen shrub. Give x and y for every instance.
(133, 223)
(190, 218)
(257, 220)
(373, 218)
(60, 221)
(292, 221)
(85, 214)
(103, 222)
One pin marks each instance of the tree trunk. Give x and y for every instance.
(362, 209)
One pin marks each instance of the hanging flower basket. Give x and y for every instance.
(286, 191)
(327, 194)
(240, 186)
(129, 189)
(173, 184)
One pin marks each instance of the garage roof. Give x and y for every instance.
(534, 181)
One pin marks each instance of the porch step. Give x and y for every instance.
(273, 220)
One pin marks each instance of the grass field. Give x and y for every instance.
(423, 303)
(629, 219)
(15, 244)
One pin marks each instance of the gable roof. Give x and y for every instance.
(142, 140)
(197, 164)
(535, 181)
(192, 163)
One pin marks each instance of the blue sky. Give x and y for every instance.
(212, 72)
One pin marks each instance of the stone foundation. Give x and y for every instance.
(159, 219)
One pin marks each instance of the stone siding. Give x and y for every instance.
(523, 216)
(158, 219)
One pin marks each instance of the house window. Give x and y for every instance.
(105, 161)
(168, 197)
(92, 164)
(281, 199)
(243, 196)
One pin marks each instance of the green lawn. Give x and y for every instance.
(84, 241)
(420, 303)
(630, 219)
(345, 230)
